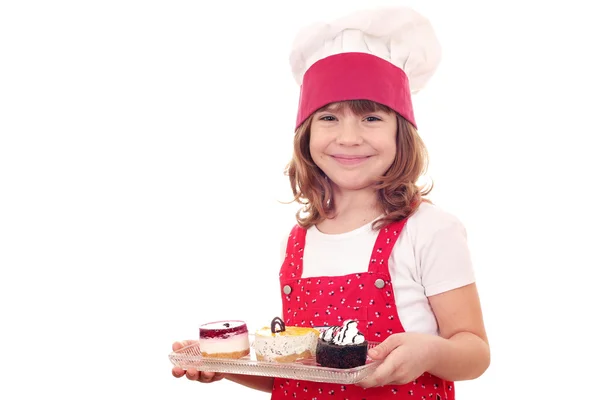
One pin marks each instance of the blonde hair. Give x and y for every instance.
(397, 191)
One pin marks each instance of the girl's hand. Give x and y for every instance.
(406, 356)
(193, 374)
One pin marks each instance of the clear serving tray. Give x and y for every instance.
(306, 369)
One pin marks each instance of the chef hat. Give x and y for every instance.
(383, 55)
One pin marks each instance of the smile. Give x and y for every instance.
(349, 160)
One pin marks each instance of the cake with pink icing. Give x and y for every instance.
(224, 339)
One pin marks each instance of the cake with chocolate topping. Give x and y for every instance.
(224, 339)
(342, 346)
(283, 344)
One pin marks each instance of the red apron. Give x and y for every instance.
(365, 297)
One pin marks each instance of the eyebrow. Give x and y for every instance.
(330, 108)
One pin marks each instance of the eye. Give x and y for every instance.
(327, 118)
(372, 119)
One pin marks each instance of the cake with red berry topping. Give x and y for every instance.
(224, 339)
(283, 344)
(342, 346)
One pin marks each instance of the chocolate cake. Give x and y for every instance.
(342, 347)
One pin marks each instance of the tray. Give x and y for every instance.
(306, 369)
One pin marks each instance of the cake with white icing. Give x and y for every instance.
(283, 344)
(224, 339)
(342, 346)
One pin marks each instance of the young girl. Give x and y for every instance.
(368, 246)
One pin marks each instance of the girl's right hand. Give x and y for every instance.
(193, 374)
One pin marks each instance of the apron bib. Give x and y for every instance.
(365, 297)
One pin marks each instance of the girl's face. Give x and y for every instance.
(353, 150)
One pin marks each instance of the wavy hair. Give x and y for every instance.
(398, 194)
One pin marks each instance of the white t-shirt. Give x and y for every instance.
(431, 256)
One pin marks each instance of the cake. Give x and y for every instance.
(224, 339)
(283, 344)
(342, 346)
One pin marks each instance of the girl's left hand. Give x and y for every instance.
(406, 356)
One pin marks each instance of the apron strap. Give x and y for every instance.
(292, 265)
(384, 245)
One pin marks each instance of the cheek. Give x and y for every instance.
(388, 157)
(392, 149)
(312, 150)
(388, 149)
(316, 147)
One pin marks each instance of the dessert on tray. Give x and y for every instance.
(284, 344)
(224, 339)
(342, 346)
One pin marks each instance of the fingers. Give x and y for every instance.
(382, 375)
(206, 376)
(386, 347)
(218, 376)
(192, 374)
(177, 346)
(180, 345)
(178, 372)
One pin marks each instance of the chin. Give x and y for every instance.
(352, 186)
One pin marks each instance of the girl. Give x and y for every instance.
(368, 246)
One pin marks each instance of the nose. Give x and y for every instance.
(350, 133)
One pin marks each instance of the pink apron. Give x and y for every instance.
(365, 297)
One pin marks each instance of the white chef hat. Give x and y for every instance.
(383, 55)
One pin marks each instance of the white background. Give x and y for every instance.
(142, 145)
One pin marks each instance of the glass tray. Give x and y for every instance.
(306, 369)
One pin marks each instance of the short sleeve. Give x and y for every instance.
(443, 257)
(283, 249)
